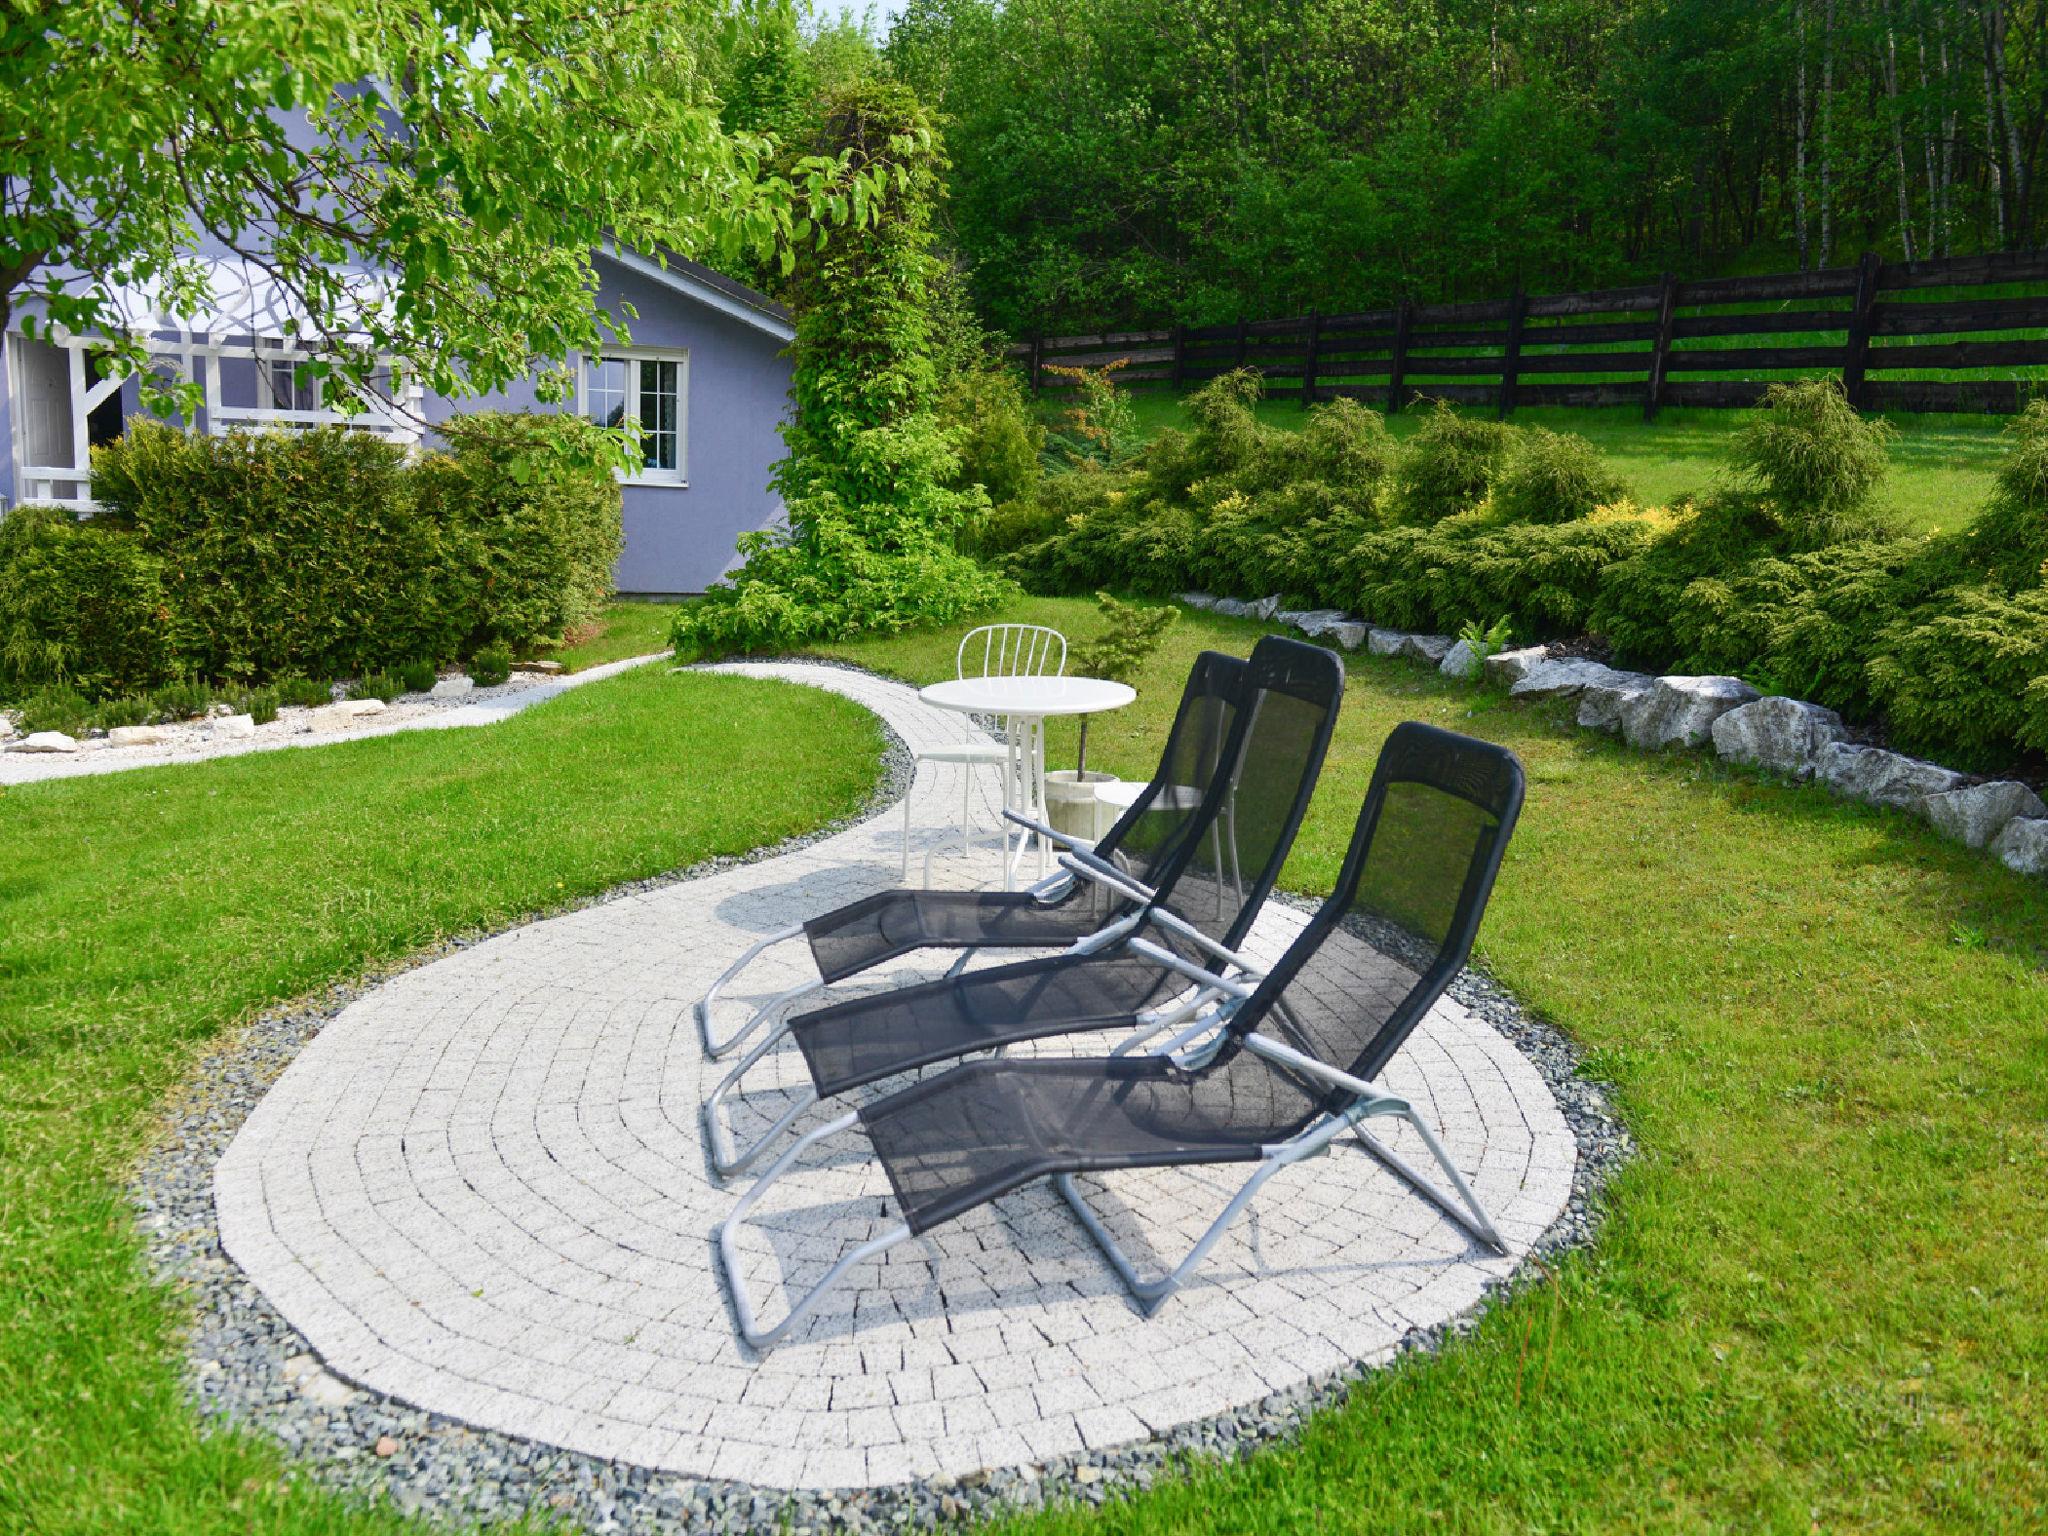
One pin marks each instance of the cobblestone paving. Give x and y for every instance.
(481, 1189)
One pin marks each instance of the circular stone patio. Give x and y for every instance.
(481, 1189)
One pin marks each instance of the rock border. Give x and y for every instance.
(1786, 736)
(248, 1367)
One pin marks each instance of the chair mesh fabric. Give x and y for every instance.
(1349, 990)
(1230, 854)
(890, 924)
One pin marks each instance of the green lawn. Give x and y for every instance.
(626, 629)
(143, 914)
(1821, 1301)
(1942, 466)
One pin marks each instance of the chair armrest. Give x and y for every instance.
(1195, 936)
(1040, 828)
(1286, 1055)
(1194, 973)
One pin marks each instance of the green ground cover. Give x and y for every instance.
(1819, 1301)
(624, 629)
(144, 914)
(1942, 466)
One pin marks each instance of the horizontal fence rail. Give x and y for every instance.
(1897, 334)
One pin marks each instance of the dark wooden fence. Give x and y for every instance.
(1896, 333)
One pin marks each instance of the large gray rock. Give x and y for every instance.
(134, 736)
(332, 718)
(1266, 607)
(1601, 704)
(1681, 711)
(1564, 679)
(1430, 648)
(1385, 642)
(233, 728)
(1232, 608)
(1312, 621)
(1781, 734)
(1878, 777)
(1977, 814)
(1508, 667)
(1461, 660)
(363, 706)
(1350, 634)
(2023, 845)
(453, 687)
(44, 741)
(1200, 600)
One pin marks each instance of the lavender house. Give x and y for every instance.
(705, 378)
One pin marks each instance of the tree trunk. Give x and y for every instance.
(1991, 160)
(1927, 137)
(1888, 71)
(2017, 166)
(1827, 130)
(1799, 143)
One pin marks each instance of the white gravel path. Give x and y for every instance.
(192, 743)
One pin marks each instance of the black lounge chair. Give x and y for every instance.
(1229, 853)
(1289, 1072)
(1055, 913)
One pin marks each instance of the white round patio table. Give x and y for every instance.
(1024, 704)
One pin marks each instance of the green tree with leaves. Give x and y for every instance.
(873, 515)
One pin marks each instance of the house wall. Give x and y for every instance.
(682, 538)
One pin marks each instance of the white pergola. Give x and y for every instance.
(249, 318)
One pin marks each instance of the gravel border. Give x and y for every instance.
(248, 1368)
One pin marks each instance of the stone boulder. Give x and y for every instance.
(363, 706)
(1385, 642)
(1430, 648)
(1350, 634)
(134, 736)
(1780, 734)
(334, 718)
(1263, 609)
(1509, 667)
(1232, 608)
(1201, 600)
(1564, 679)
(1681, 711)
(233, 728)
(1312, 621)
(1878, 777)
(2023, 845)
(1601, 704)
(452, 687)
(44, 741)
(1974, 816)
(1461, 660)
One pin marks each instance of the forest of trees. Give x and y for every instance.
(1133, 161)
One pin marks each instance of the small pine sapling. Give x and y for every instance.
(1130, 634)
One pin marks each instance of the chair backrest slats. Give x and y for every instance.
(1012, 650)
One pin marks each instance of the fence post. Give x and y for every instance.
(1308, 363)
(1511, 357)
(1856, 351)
(1240, 343)
(1037, 359)
(1398, 368)
(1660, 348)
(1180, 356)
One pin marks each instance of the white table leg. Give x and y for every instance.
(1044, 811)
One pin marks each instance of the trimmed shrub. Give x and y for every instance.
(129, 709)
(384, 686)
(988, 418)
(490, 666)
(1553, 477)
(418, 676)
(55, 708)
(1815, 461)
(180, 701)
(1966, 676)
(260, 705)
(81, 604)
(304, 693)
(1449, 466)
(2009, 540)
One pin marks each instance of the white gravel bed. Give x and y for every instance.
(196, 741)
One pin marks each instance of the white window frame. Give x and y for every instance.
(633, 358)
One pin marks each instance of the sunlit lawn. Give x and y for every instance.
(626, 628)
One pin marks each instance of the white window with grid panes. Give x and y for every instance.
(646, 390)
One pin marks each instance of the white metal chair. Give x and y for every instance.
(992, 650)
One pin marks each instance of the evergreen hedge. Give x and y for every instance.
(323, 553)
(1784, 576)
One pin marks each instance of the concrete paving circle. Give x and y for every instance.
(481, 1189)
